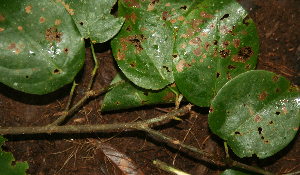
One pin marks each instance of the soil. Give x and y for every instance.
(279, 37)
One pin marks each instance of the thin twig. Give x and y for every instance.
(95, 69)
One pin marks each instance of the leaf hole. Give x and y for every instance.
(237, 133)
(211, 109)
(27, 76)
(117, 103)
(225, 16)
(245, 20)
(259, 129)
(66, 50)
(277, 90)
(215, 42)
(183, 7)
(232, 67)
(218, 74)
(224, 53)
(247, 66)
(277, 112)
(262, 137)
(145, 93)
(81, 23)
(271, 122)
(128, 29)
(132, 64)
(228, 112)
(166, 68)
(56, 71)
(175, 56)
(267, 141)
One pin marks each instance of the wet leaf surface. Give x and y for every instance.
(38, 54)
(93, 19)
(257, 113)
(217, 42)
(128, 95)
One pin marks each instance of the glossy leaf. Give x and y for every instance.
(128, 95)
(143, 49)
(6, 159)
(93, 19)
(41, 48)
(216, 42)
(257, 113)
(114, 162)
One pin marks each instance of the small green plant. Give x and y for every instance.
(204, 50)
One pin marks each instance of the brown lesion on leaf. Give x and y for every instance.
(151, 5)
(215, 54)
(134, 40)
(66, 50)
(267, 141)
(53, 35)
(225, 29)
(248, 66)
(180, 18)
(225, 44)
(128, 28)
(257, 118)
(206, 46)
(277, 90)
(169, 97)
(133, 3)
(224, 53)
(175, 56)
(183, 46)
(17, 51)
(197, 51)
(195, 41)
(67, 7)
(132, 17)
(165, 15)
(211, 110)
(262, 95)
(236, 43)
(11, 46)
(132, 64)
(229, 77)
(42, 19)
(1, 29)
(120, 55)
(20, 28)
(56, 71)
(243, 55)
(57, 22)
(189, 33)
(275, 78)
(28, 9)
(232, 67)
(204, 14)
(243, 32)
(181, 65)
(173, 21)
(195, 23)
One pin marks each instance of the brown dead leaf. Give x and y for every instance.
(114, 162)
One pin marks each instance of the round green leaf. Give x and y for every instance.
(216, 42)
(93, 19)
(128, 95)
(257, 113)
(41, 47)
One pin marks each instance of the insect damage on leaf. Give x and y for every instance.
(53, 35)
(134, 40)
(243, 55)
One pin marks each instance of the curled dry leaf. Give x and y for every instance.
(114, 162)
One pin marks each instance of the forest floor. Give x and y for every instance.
(278, 26)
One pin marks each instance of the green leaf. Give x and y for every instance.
(216, 42)
(143, 49)
(41, 47)
(128, 95)
(93, 19)
(6, 160)
(236, 171)
(257, 113)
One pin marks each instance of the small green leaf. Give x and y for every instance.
(6, 160)
(41, 48)
(128, 95)
(237, 171)
(257, 113)
(93, 19)
(216, 42)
